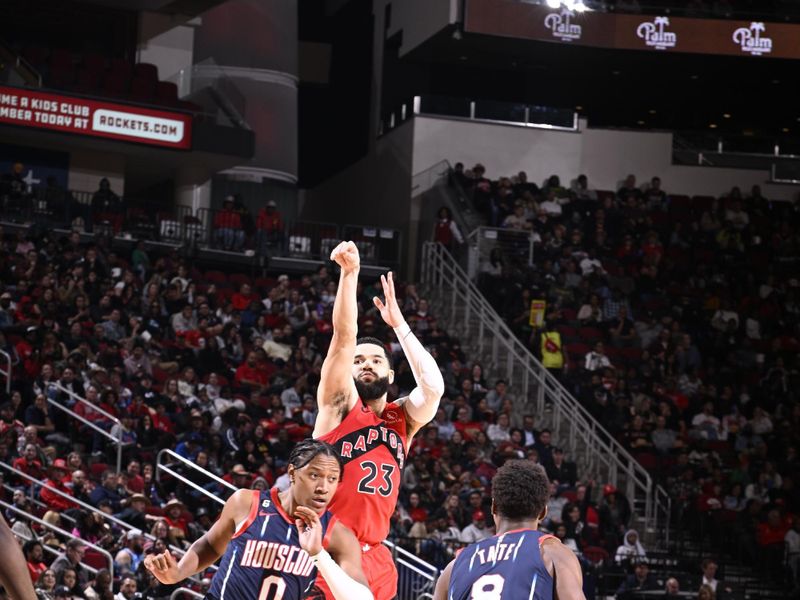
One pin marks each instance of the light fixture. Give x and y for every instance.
(712, 126)
(640, 122)
(572, 5)
(726, 116)
(652, 111)
(785, 130)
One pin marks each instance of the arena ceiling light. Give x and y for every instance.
(573, 5)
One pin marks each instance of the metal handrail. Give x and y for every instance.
(63, 532)
(7, 373)
(119, 522)
(36, 502)
(47, 548)
(188, 463)
(601, 450)
(87, 422)
(85, 401)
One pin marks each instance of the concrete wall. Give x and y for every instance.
(375, 191)
(87, 168)
(166, 41)
(606, 156)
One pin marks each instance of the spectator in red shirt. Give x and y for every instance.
(228, 225)
(241, 300)
(28, 463)
(270, 228)
(173, 514)
(11, 429)
(249, 375)
(56, 475)
(773, 530)
(135, 480)
(34, 553)
(28, 353)
(463, 424)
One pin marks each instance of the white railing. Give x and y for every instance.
(515, 245)
(117, 442)
(167, 468)
(467, 314)
(36, 484)
(6, 372)
(62, 532)
(416, 575)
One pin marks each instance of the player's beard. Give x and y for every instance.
(373, 390)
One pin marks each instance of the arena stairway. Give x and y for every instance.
(486, 338)
(465, 313)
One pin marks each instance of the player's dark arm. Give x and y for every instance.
(336, 393)
(206, 550)
(567, 573)
(421, 405)
(443, 583)
(14, 573)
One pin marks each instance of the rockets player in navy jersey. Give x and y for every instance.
(520, 562)
(273, 543)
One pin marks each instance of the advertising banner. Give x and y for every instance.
(513, 18)
(96, 118)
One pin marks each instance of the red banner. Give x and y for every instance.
(96, 118)
(512, 18)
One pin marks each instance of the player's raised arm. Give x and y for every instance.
(421, 405)
(336, 393)
(206, 550)
(443, 583)
(342, 571)
(567, 573)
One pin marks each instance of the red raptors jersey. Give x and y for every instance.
(373, 451)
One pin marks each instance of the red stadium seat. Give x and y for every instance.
(237, 279)
(167, 93)
(95, 63)
(597, 555)
(589, 334)
(142, 90)
(146, 71)
(216, 277)
(97, 469)
(94, 559)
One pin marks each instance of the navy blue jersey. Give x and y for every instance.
(264, 560)
(504, 567)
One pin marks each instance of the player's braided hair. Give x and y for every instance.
(377, 342)
(307, 450)
(520, 490)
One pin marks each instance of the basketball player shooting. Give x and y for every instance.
(371, 435)
(520, 561)
(273, 544)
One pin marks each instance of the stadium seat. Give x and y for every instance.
(167, 93)
(216, 277)
(145, 71)
(142, 90)
(237, 279)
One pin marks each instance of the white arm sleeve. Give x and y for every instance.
(341, 584)
(423, 402)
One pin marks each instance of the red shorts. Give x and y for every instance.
(379, 570)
